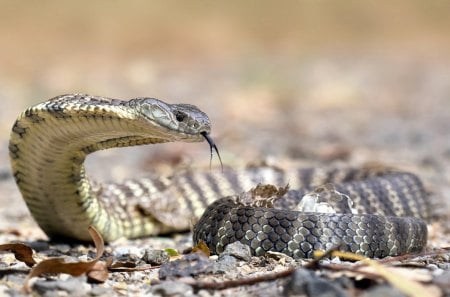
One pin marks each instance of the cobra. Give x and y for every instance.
(50, 141)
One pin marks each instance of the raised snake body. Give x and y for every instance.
(50, 141)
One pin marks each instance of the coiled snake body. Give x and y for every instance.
(50, 141)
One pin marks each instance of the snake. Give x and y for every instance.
(50, 141)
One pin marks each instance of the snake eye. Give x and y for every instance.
(180, 116)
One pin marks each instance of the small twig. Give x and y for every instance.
(131, 269)
(245, 281)
(415, 255)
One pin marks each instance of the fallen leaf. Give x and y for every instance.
(201, 247)
(98, 273)
(172, 252)
(98, 242)
(58, 265)
(21, 251)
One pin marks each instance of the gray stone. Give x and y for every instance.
(224, 264)
(123, 252)
(5, 173)
(304, 282)
(279, 256)
(5, 291)
(324, 288)
(238, 250)
(62, 248)
(14, 278)
(172, 289)
(39, 245)
(444, 266)
(74, 286)
(189, 265)
(345, 282)
(442, 281)
(155, 257)
(297, 282)
(101, 291)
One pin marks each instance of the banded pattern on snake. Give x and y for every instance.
(50, 141)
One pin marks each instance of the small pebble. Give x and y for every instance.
(172, 289)
(238, 250)
(5, 173)
(74, 286)
(324, 288)
(304, 282)
(224, 264)
(443, 280)
(127, 252)
(100, 291)
(297, 282)
(14, 278)
(189, 265)
(155, 257)
(39, 245)
(335, 260)
(279, 257)
(63, 248)
(444, 266)
(345, 282)
(3, 290)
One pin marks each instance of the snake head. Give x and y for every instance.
(187, 120)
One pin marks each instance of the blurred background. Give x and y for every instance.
(313, 81)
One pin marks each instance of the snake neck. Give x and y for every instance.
(48, 148)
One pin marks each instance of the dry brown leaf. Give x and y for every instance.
(201, 247)
(98, 273)
(58, 265)
(98, 242)
(21, 251)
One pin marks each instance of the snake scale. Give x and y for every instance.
(50, 141)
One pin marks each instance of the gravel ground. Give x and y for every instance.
(410, 134)
(279, 94)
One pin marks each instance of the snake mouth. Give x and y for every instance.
(212, 145)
